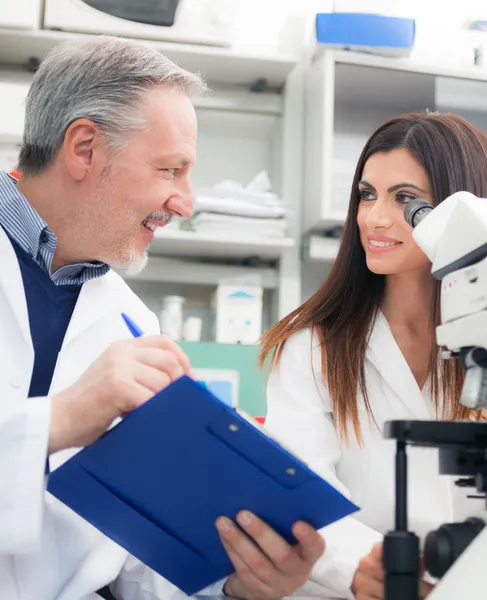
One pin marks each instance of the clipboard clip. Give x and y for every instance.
(246, 437)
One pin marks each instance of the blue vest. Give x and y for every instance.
(50, 308)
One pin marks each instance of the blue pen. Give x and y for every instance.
(134, 329)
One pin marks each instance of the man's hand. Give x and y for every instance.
(266, 566)
(368, 582)
(125, 376)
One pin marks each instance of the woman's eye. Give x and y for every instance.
(405, 198)
(365, 195)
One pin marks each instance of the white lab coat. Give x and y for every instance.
(299, 414)
(47, 552)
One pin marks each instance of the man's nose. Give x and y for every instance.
(181, 203)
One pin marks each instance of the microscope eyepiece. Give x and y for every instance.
(416, 210)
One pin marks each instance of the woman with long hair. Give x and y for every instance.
(362, 350)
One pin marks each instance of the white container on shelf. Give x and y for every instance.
(238, 318)
(172, 317)
(192, 329)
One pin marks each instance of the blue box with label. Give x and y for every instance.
(378, 34)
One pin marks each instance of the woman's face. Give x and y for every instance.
(389, 181)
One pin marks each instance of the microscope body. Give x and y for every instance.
(454, 237)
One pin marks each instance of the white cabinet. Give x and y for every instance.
(348, 95)
(20, 14)
(345, 103)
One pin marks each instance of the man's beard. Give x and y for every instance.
(137, 263)
(123, 254)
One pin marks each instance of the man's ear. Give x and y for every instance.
(82, 142)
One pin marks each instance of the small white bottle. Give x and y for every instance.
(192, 329)
(172, 317)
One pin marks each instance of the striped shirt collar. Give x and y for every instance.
(27, 228)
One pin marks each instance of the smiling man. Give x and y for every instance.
(109, 141)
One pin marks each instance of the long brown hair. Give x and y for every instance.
(454, 155)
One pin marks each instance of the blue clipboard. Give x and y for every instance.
(157, 482)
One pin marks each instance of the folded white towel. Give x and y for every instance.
(237, 220)
(230, 206)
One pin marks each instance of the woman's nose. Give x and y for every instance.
(379, 216)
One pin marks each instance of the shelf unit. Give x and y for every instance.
(19, 47)
(187, 243)
(183, 271)
(348, 95)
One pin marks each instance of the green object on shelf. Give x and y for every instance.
(238, 357)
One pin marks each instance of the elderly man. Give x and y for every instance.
(109, 141)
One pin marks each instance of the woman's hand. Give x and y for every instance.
(368, 581)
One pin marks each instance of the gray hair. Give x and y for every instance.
(105, 80)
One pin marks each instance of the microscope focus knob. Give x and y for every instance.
(443, 546)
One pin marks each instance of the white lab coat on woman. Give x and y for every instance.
(299, 414)
(47, 552)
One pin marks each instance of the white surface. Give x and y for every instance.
(196, 21)
(173, 270)
(215, 64)
(20, 14)
(187, 243)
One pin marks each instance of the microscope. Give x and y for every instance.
(453, 235)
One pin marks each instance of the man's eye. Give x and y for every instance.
(170, 171)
